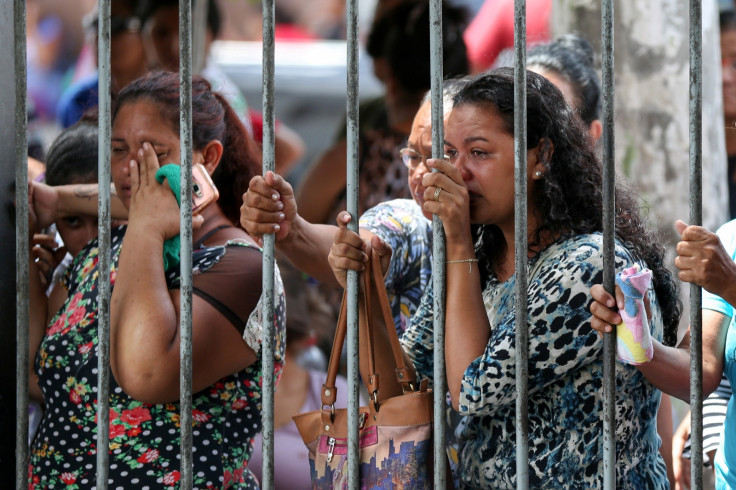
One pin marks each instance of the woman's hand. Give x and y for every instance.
(43, 206)
(269, 206)
(603, 316)
(348, 250)
(47, 255)
(446, 196)
(702, 260)
(153, 207)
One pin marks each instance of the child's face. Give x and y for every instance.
(76, 232)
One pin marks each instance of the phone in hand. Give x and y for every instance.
(204, 191)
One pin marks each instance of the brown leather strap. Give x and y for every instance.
(329, 392)
(405, 375)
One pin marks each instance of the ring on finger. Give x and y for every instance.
(437, 193)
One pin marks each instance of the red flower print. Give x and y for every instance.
(57, 325)
(84, 348)
(134, 431)
(68, 478)
(113, 414)
(149, 456)
(116, 430)
(239, 404)
(135, 416)
(171, 478)
(227, 479)
(77, 316)
(200, 416)
(113, 275)
(238, 474)
(74, 396)
(75, 300)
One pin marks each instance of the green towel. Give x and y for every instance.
(172, 246)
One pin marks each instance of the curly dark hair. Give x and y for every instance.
(570, 200)
(212, 119)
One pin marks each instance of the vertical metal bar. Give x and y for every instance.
(21, 247)
(269, 164)
(352, 201)
(438, 250)
(103, 233)
(609, 173)
(696, 218)
(520, 254)
(185, 223)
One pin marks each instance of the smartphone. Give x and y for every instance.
(204, 191)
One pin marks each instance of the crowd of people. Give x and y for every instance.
(401, 188)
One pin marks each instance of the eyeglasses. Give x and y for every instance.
(412, 158)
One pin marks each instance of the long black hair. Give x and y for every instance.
(570, 197)
(572, 58)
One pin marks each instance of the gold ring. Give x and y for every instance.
(437, 194)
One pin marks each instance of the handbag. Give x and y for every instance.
(395, 432)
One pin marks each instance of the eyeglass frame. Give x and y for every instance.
(423, 158)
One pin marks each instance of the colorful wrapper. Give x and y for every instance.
(633, 338)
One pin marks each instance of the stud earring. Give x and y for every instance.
(537, 174)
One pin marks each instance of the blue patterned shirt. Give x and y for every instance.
(565, 382)
(401, 224)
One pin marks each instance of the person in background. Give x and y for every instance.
(728, 73)
(399, 48)
(491, 32)
(127, 61)
(161, 34)
(71, 159)
(300, 387)
(227, 368)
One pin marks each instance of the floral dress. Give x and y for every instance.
(144, 438)
(565, 382)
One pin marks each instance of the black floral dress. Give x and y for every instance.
(144, 438)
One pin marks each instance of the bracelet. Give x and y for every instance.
(464, 261)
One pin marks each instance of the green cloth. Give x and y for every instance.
(172, 246)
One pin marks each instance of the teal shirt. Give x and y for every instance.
(725, 461)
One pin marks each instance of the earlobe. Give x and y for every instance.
(212, 154)
(595, 130)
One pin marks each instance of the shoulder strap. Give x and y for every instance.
(214, 230)
(406, 375)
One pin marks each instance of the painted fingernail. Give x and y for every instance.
(280, 205)
(145, 145)
(282, 216)
(274, 196)
(276, 228)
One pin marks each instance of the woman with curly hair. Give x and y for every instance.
(473, 193)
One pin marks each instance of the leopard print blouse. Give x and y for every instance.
(565, 382)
